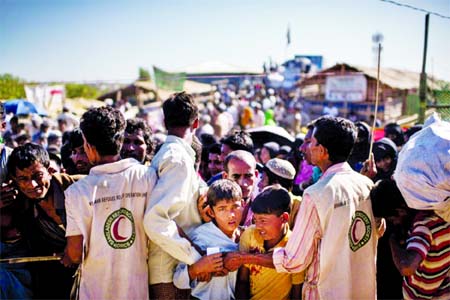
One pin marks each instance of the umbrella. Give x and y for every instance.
(23, 107)
(269, 133)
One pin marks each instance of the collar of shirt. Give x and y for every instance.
(339, 167)
(182, 142)
(114, 167)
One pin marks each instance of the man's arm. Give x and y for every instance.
(167, 200)
(406, 261)
(301, 247)
(243, 283)
(74, 250)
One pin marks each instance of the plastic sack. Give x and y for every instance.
(423, 168)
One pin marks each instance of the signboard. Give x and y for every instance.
(350, 88)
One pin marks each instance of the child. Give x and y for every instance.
(224, 198)
(271, 213)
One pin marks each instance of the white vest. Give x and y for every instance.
(347, 250)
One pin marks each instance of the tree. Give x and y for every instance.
(75, 90)
(144, 74)
(11, 87)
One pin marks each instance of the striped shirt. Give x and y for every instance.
(430, 237)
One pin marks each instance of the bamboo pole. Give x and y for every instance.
(377, 96)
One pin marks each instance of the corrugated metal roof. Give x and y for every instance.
(400, 79)
(395, 78)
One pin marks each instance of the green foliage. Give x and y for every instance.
(75, 90)
(11, 87)
(144, 74)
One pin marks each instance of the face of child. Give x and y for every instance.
(384, 164)
(227, 214)
(271, 227)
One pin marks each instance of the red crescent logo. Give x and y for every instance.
(354, 237)
(115, 230)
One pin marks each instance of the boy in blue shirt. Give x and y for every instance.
(224, 198)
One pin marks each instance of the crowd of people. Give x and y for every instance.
(102, 207)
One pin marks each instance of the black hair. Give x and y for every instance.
(76, 138)
(360, 151)
(24, 156)
(238, 140)
(386, 198)
(208, 139)
(397, 132)
(214, 148)
(337, 135)
(103, 127)
(180, 110)
(2, 112)
(223, 189)
(273, 199)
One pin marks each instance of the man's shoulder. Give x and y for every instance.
(342, 179)
(66, 180)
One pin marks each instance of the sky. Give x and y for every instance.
(108, 40)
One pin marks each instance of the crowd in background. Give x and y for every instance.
(230, 166)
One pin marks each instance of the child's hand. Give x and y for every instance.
(208, 264)
(224, 272)
(205, 277)
(232, 261)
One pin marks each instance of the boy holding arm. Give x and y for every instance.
(271, 212)
(224, 198)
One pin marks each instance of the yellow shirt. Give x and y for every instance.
(267, 283)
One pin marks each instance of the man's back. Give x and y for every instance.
(107, 208)
(173, 203)
(347, 247)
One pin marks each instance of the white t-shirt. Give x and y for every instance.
(107, 207)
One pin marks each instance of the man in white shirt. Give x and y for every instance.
(334, 239)
(173, 203)
(105, 214)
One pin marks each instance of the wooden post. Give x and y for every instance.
(423, 76)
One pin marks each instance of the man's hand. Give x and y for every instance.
(8, 194)
(66, 261)
(369, 168)
(232, 261)
(203, 208)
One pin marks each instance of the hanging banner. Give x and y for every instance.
(46, 96)
(350, 88)
(169, 81)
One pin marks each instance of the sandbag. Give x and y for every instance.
(423, 168)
